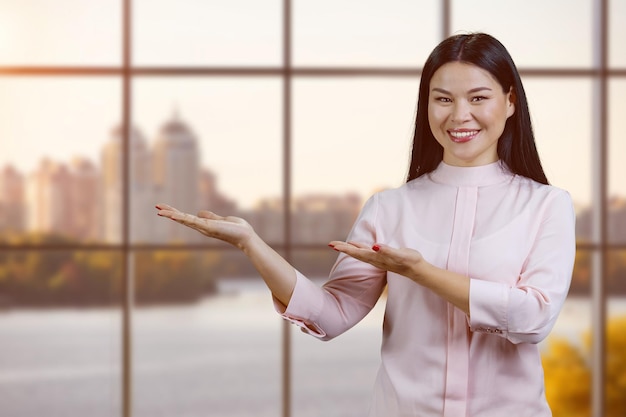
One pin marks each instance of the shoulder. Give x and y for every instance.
(545, 191)
(548, 200)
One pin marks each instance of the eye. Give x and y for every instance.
(478, 98)
(443, 99)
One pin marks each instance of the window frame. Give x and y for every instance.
(600, 247)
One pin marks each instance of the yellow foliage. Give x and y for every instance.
(568, 380)
(568, 374)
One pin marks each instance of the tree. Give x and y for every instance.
(568, 373)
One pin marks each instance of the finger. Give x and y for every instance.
(206, 214)
(184, 218)
(166, 213)
(359, 245)
(162, 206)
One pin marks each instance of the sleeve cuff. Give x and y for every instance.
(304, 307)
(488, 307)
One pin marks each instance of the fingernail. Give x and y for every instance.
(375, 248)
(331, 245)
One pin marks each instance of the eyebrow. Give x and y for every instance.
(473, 90)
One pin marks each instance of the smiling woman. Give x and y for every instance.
(459, 321)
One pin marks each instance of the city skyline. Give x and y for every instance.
(82, 199)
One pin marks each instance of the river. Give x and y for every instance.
(219, 357)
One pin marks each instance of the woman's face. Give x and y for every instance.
(467, 111)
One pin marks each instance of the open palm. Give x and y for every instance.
(233, 230)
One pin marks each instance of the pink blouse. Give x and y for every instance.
(512, 236)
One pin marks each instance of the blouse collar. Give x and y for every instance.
(490, 174)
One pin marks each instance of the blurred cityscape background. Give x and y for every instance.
(289, 114)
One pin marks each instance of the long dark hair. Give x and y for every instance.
(516, 146)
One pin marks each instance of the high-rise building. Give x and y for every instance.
(48, 196)
(141, 187)
(176, 175)
(211, 198)
(85, 200)
(12, 205)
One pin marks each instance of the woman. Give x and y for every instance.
(476, 250)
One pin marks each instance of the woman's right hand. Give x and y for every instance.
(233, 230)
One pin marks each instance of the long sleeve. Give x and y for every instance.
(351, 292)
(527, 311)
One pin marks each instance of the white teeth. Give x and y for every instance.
(464, 134)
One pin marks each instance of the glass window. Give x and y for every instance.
(352, 136)
(53, 131)
(547, 34)
(60, 327)
(353, 359)
(560, 110)
(615, 330)
(205, 336)
(199, 32)
(617, 33)
(214, 143)
(617, 169)
(566, 353)
(60, 32)
(364, 33)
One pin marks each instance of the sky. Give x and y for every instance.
(349, 134)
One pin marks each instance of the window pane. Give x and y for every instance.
(617, 168)
(60, 331)
(60, 32)
(530, 30)
(617, 33)
(53, 133)
(335, 379)
(206, 338)
(352, 359)
(566, 352)
(200, 32)
(369, 33)
(351, 136)
(616, 328)
(560, 109)
(213, 143)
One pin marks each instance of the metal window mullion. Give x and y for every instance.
(127, 256)
(600, 212)
(287, 78)
(446, 19)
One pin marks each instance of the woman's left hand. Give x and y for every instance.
(402, 261)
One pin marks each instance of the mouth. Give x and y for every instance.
(460, 136)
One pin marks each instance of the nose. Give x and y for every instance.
(461, 111)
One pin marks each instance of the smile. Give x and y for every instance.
(462, 135)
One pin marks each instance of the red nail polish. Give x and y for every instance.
(332, 246)
(375, 248)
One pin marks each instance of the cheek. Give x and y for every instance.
(435, 117)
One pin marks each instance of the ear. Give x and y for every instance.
(510, 97)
